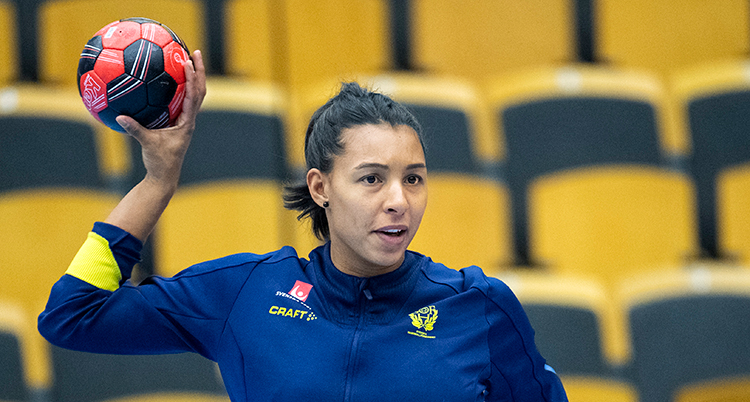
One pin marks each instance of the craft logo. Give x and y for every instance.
(424, 320)
(300, 290)
(299, 293)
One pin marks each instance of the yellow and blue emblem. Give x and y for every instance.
(424, 320)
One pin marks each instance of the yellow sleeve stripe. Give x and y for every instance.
(95, 264)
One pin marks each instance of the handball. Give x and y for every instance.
(133, 67)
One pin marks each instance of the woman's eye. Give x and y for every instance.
(370, 179)
(413, 179)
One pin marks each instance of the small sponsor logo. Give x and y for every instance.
(424, 320)
(300, 290)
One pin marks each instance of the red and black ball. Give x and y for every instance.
(133, 67)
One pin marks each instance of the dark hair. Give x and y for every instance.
(352, 106)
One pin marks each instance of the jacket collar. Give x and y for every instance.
(347, 298)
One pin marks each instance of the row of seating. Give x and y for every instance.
(561, 164)
(659, 337)
(677, 336)
(628, 210)
(299, 41)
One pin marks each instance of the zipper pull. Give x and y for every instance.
(367, 293)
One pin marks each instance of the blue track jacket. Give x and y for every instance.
(283, 328)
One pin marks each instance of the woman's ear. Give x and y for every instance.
(316, 182)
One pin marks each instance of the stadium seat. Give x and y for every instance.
(721, 390)
(467, 219)
(476, 39)
(309, 40)
(250, 58)
(230, 196)
(52, 190)
(582, 137)
(712, 105)
(90, 377)
(576, 332)
(15, 329)
(8, 43)
(663, 35)
(688, 333)
(611, 222)
(65, 27)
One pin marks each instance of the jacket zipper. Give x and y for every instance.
(354, 349)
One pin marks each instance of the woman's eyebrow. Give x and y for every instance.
(375, 165)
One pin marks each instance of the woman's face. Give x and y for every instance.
(377, 195)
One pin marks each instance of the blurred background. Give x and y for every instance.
(592, 154)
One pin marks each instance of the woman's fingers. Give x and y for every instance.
(195, 88)
(131, 126)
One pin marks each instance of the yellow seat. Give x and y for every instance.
(466, 223)
(662, 35)
(475, 39)
(576, 332)
(688, 330)
(230, 196)
(171, 397)
(52, 190)
(66, 26)
(612, 222)
(595, 389)
(8, 43)
(552, 122)
(250, 50)
(711, 103)
(574, 321)
(733, 389)
(299, 41)
(734, 213)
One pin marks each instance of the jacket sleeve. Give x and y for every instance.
(93, 308)
(519, 373)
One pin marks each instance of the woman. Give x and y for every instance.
(362, 320)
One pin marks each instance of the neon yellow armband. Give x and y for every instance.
(95, 264)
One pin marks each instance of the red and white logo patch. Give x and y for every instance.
(300, 290)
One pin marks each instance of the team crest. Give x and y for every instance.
(424, 320)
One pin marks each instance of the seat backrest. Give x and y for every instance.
(662, 35)
(712, 106)
(230, 197)
(573, 320)
(251, 28)
(14, 332)
(479, 38)
(52, 191)
(65, 27)
(297, 42)
(8, 43)
(734, 212)
(613, 221)
(89, 377)
(686, 327)
(171, 397)
(734, 389)
(576, 332)
(551, 120)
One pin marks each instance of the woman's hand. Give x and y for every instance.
(163, 153)
(164, 149)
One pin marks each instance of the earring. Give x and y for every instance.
(325, 204)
